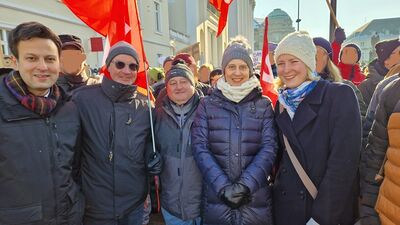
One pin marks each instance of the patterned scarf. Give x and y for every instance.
(291, 98)
(38, 104)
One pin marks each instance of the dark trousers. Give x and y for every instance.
(133, 218)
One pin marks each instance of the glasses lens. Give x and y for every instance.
(133, 67)
(120, 65)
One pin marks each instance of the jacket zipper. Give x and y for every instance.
(53, 166)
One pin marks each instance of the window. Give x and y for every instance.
(3, 41)
(157, 10)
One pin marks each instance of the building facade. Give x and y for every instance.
(240, 21)
(370, 33)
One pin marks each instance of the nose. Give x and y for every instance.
(42, 65)
(126, 69)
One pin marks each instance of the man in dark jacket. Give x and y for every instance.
(39, 127)
(116, 132)
(181, 179)
(388, 52)
(72, 62)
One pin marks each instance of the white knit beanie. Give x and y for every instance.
(300, 45)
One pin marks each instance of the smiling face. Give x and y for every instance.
(38, 64)
(236, 72)
(123, 75)
(291, 70)
(179, 90)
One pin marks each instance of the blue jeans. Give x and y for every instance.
(172, 220)
(133, 218)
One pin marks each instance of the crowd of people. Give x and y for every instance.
(81, 150)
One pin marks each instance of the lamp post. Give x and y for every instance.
(298, 15)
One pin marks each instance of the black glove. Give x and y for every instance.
(340, 35)
(235, 195)
(155, 164)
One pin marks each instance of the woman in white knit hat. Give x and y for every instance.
(321, 122)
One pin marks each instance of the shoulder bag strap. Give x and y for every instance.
(297, 166)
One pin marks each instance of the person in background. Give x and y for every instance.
(234, 144)
(157, 80)
(321, 122)
(181, 180)
(271, 54)
(167, 64)
(327, 70)
(116, 153)
(39, 131)
(388, 52)
(204, 73)
(73, 64)
(215, 75)
(349, 66)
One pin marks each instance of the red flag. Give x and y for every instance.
(267, 78)
(118, 20)
(223, 7)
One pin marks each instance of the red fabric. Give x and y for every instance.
(118, 20)
(346, 71)
(223, 7)
(335, 52)
(267, 77)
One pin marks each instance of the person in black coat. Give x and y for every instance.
(322, 123)
(234, 144)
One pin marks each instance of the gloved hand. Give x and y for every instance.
(235, 195)
(340, 35)
(155, 164)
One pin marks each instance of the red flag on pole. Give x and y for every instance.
(118, 20)
(223, 7)
(267, 78)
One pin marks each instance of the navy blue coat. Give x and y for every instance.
(325, 135)
(235, 143)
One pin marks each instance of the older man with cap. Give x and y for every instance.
(388, 52)
(116, 158)
(181, 179)
(72, 63)
(234, 144)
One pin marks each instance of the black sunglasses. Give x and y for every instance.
(120, 65)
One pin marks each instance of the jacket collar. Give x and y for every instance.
(118, 92)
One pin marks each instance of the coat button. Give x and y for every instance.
(284, 170)
(283, 193)
(237, 155)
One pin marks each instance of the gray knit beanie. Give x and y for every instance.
(237, 51)
(121, 48)
(180, 70)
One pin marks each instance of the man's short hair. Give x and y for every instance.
(29, 30)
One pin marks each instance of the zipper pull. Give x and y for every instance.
(110, 156)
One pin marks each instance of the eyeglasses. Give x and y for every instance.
(120, 65)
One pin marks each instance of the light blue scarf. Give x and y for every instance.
(291, 98)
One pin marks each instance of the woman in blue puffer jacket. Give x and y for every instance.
(234, 144)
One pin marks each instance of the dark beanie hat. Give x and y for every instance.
(323, 43)
(353, 46)
(237, 51)
(71, 40)
(180, 70)
(121, 48)
(385, 48)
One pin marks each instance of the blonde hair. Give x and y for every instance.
(394, 70)
(278, 83)
(334, 71)
(207, 65)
